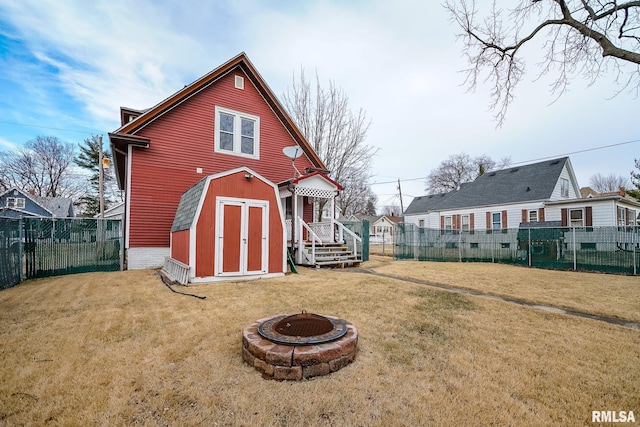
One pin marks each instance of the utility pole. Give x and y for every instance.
(101, 179)
(401, 204)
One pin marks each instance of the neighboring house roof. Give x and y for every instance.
(377, 218)
(59, 207)
(590, 193)
(512, 185)
(393, 218)
(125, 135)
(115, 211)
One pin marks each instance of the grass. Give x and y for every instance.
(121, 349)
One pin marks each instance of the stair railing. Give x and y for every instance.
(351, 240)
(312, 235)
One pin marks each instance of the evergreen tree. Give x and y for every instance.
(635, 180)
(89, 159)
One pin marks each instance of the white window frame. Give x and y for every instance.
(465, 222)
(621, 215)
(237, 128)
(15, 202)
(533, 216)
(564, 187)
(576, 222)
(448, 223)
(493, 221)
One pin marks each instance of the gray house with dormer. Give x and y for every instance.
(16, 203)
(545, 193)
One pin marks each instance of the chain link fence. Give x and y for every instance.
(10, 252)
(602, 249)
(42, 247)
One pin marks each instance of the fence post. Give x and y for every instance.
(634, 247)
(529, 246)
(575, 253)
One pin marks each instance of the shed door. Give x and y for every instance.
(242, 230)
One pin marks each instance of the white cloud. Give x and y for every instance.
(397, 60)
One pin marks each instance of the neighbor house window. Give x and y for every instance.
(15, 202)
(533, 216)
(448, 223)
(564, 187)
(496, 220)
(237, 133)
(575, 218)
(464, 219)
(421, 223)
(622, 217)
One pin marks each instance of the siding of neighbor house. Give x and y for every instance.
(182, 140)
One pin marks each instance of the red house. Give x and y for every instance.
(226, 132)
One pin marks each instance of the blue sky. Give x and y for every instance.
(67, 66)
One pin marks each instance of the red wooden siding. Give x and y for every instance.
(236, 185)
(183, 140)
(180, 246)
(254, 239)
(232, 227)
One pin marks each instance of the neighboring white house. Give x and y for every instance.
(540, 192)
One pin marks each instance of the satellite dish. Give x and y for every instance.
(292, 152)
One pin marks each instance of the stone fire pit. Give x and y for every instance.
(293, 347)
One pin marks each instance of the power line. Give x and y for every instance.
(525, 161)
(46, 127)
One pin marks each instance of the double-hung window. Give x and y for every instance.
(464, 226)
(496, 220)
(564, 187)
(533, 216)
(237, 133)
(448, 224)
(575, 218)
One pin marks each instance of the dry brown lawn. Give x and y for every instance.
(121, 349)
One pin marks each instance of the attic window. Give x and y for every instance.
(239, 82)
(15, 202)
(237, 133)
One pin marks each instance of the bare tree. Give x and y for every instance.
(43, 165)
(357, 197)
(391, 210)
(609, 183)
(336, 133)
(460, 168)
(583, 38)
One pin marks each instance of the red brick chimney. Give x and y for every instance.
(621, 192)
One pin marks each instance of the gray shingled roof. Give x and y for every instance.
(512, 185)
(60, 207)
(187, 207)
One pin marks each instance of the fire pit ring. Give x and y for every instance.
(295, 347)
(302, 329)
